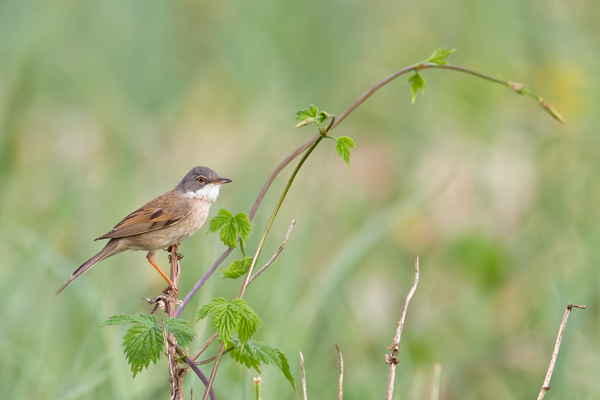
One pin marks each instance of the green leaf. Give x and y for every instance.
(249, 321)
(142, 345)
(439, 56)
(237, 268)
(310, 115)
(181, 330)
(252, 354)
(230, 226)
(342, 146)
(417, 83)
(244, 227)
(309, 112)
(126, 319)
(228, 318)
(143, 342)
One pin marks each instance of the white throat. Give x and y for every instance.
(208, 193)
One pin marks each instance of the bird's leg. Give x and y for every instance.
(179, 255)
(150, 258)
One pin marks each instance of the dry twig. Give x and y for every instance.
(340, 388)
(436, 388)
(303, 375)
(546, 385)
(279, 250)
(391, 358)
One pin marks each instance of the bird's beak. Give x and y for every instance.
(221, 181)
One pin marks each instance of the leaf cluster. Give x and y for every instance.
(144, 341)
(312, 114)
(238, 317)
(417, 82)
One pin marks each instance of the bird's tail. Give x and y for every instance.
(110, 249)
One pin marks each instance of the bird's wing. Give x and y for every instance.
(164, 211)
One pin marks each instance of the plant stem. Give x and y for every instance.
(518, 88)
(275, 211)
(260, 246)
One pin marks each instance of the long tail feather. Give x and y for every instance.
(110, 249)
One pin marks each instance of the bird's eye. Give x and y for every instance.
(201, 179)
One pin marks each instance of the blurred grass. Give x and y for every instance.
(104, 105)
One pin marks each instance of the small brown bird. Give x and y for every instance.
(165, 221)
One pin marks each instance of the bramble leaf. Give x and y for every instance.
(237, 268)
(309, 112)
(228, 318)
(143, 341)
(249, 321)
(142, 344)
(145, 319)
(181, 330)
(252, 354)
(439, 56)
(342, 146)
(230, 226)
(417, 83)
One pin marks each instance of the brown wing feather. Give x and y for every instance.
(164, 211)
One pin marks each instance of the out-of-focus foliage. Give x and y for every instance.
(105, 105)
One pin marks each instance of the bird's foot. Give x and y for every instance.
(170, 250)
(171, 290)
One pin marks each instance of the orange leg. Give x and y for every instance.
(150, 258)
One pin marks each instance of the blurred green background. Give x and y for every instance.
(106, 104)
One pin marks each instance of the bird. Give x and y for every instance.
(165, 221)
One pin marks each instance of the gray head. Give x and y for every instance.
(201, 183)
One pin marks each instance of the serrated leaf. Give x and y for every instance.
(209, 308)
(309, 112)
(181, 330)
(342, 146)
(142, 344)
(253, 353)
(230, 226)
(237, 268)
(144, 319)
(219, 220)
(439, 56)
(244, 227)
(228, 318)
(249, 321)
(417, 83)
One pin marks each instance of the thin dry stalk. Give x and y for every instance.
(546, 385)
(176, 374)
(391, 358)
(436, 388)
(279, 250)
(341, 385)
(303, 376)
